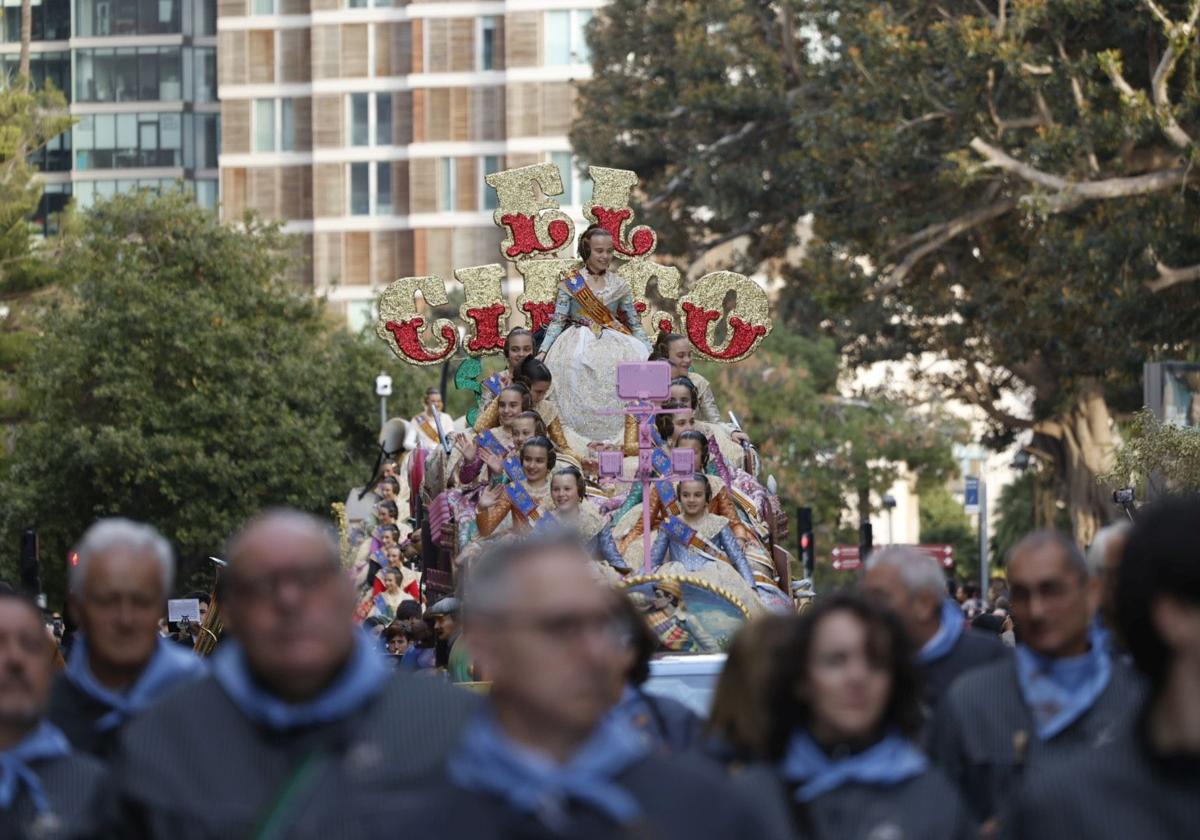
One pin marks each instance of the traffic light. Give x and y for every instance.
(31, 578)
(808, 542)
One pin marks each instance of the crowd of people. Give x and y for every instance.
(877, 712)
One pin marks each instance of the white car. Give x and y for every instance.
(689, 678)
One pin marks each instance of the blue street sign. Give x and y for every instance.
(971, 495)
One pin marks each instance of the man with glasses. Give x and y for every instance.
(1061, 693)
(545, 758)
(300, 716)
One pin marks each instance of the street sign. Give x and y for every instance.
(847, 558)
(971, 495)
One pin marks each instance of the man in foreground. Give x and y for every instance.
(43, 785)
(545, 759)
(1061, 693)
(118, 665)
(913, 586)
(1146, 783)
(300, 712)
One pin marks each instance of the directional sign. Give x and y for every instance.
(944, 554)
(971, 495)
(845, 558)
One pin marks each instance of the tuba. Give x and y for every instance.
(210, 628)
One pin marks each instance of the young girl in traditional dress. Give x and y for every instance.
(595, 328)
(518, 346)
(572, 509)
(676, 350)
(496, 511)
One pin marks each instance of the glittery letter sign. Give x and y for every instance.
(538, 237)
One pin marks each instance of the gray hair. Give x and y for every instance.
(919, 571)
(288, 516)
(135, 537)
(1102, 544)
(488, 588)
(1038, 540)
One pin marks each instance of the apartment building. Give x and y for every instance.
(368, 126)
(140, 76)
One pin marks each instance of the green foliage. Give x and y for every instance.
(836, 455)
(1165, 455)
(746, 116)
(177, 379)
(944, 521)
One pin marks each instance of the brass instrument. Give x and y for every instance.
(210, 628)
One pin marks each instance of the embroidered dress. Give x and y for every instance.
(583, 353)
(707, 403)
(598, 540)
(669, 557)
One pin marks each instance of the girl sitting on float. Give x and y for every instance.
(535, 376)
(496, 509)
(701, 544)
(518, 346)
(676, 350)
(567, 490)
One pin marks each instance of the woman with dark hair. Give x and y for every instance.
(594, 329)
(537, 379)
(496, 505)
(518, 346)
(844, 710)
(664, 723)
(568, 495)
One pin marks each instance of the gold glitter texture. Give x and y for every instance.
(747, 323)
(611, 189)
(524, 192)
(482, 286)
(398, 304)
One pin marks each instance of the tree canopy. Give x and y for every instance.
(1005, 186)
(178, 379)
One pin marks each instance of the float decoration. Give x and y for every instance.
(538, 235)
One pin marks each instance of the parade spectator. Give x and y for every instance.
(423, 430)
(1061, 693)
(664, 723)
(446, 626)
(299, 701)
(845, 708)
(913, 586)
(1145, 783)
(397, 638)
(738, 724)
(1104, 559)
(546, 759)
(42, 782)
(118, 665)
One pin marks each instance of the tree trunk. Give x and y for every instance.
(1086, 439)
(26, 37)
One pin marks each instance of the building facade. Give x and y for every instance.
(368, 126)
(141, 79)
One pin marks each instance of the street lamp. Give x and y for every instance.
(889, 504)
(383, 390)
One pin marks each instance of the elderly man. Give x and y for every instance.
(1061, 693)
(301, 710)
(118, 664)
(546, 759)
(1144, 783)
(42, 783)
(912, 585)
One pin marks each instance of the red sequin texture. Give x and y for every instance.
(524, 235)
(666, 326)
(743, 338)
(487, 328)
(611, 221)
(407, 335)
(540, 313)
(640, 306)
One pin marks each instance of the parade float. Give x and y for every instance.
(664, 489)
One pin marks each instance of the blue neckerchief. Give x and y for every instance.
(947, 635)
(170, 665)
(888, 762)
(361, 679)
(489, 762)
(1059, 691)
(47, 741)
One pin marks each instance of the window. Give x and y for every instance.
(206, 193)
(129, 74)
(371, 189)
(264, 125)
(128, 141)
(576, 188)
(360, 189)
(447, 184)
(487, 43)
(274, 125)
(205, 75)
(489, 164)
(264, 7)
(370, 119)
(565, 40)
(383, 119)
(50, 18)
